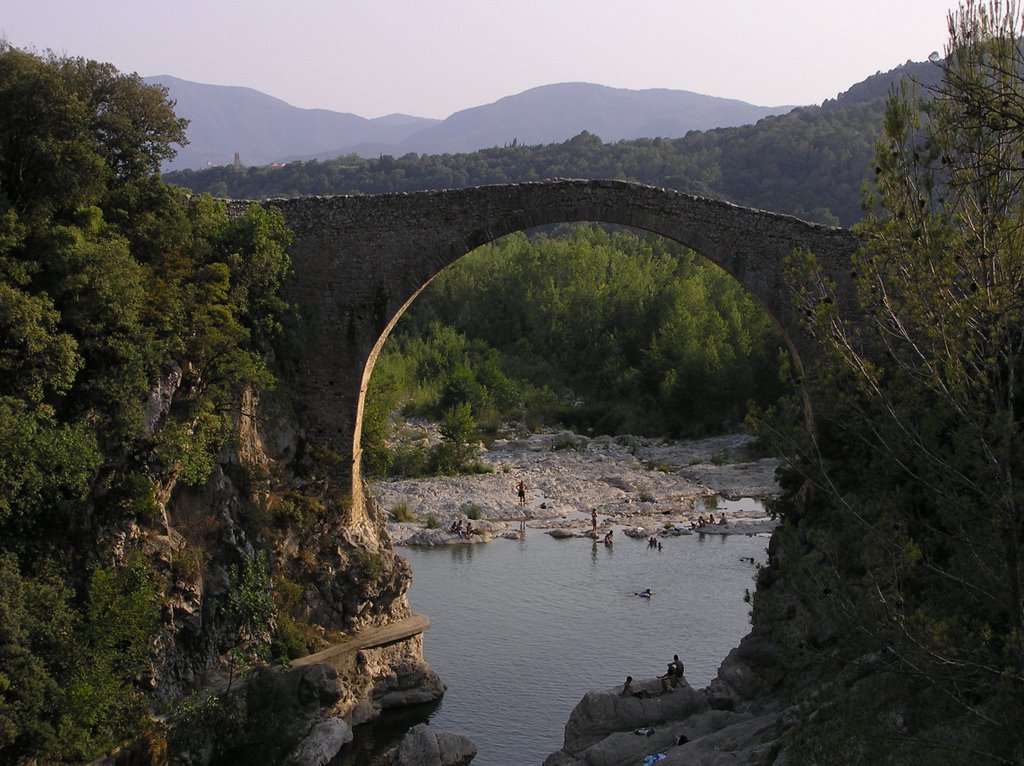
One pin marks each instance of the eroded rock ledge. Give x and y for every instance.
(735, 720)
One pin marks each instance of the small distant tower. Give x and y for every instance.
(238, 160)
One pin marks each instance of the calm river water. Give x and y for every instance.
(520, 630)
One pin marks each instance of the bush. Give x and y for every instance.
(568, 441)
(401, 512)
(473, 512)
(371, 564)
(286, 511)
(411, 462)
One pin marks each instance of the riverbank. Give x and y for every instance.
(640, 488)
(649, 485)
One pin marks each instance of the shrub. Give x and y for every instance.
(371, 564)
(432, 522)
(567, 441)
(412, 462)
(286, 511)
(401, 512)
(473, 512)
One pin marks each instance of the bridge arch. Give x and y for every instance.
(360, 261)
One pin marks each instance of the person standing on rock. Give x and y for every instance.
(593, 519)
(521, 491)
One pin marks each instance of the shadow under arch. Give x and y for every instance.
(360, 261)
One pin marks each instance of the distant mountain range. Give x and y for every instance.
(261, 129)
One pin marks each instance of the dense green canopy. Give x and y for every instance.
(110, 281)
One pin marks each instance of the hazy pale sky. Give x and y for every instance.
(430, 58)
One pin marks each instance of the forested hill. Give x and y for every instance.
(810, 162)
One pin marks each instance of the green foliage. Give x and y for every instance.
(251, 611)
(456, 448)
(45, 473)
(191, 450)
(104, 706)
(204, 720)
(286, 511)
(400, 512)
(371, 565)
(111, 282)
(639, 334)
(36, 650)
(568, 442)
(68, 680)
(473, 512)
(912, 470)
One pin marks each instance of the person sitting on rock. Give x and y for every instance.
(627, 689)
(674, 675)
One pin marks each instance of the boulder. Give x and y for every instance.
(421, 747)
(322, 743)
(601, 713)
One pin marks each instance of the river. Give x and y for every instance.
(520, 630)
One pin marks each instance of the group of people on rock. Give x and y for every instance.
(700, 522)
(672, 679)
(463, 531)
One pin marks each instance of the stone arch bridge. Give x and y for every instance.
(360, 261)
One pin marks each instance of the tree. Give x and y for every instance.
(917, 461)
(456, 446)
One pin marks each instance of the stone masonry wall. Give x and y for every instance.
(360, 260)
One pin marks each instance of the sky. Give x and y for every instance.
(431, 58)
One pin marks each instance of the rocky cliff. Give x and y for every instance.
(259, 565)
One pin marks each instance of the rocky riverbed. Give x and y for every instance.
(642, 487)
(651, 486)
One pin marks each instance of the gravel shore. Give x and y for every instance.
(652, 486)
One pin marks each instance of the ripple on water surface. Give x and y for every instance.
(521, 630)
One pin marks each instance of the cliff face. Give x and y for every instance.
(268, 535)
